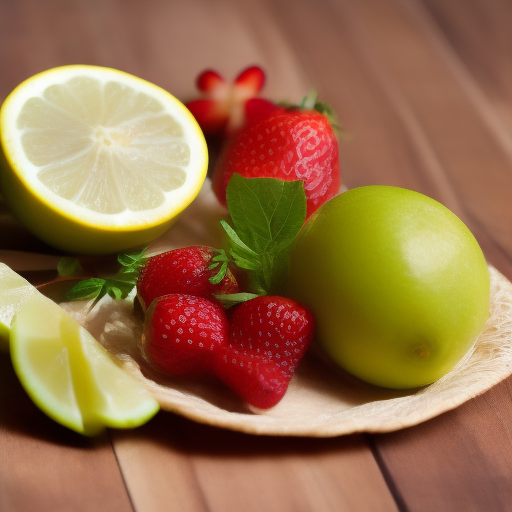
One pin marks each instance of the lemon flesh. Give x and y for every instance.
(96, 160)
(70, 376)
(14, 292)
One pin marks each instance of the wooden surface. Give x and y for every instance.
(424, 87)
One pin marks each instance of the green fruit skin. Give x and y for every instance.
(398, 285)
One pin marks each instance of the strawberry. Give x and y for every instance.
(259, 383)
(182, 333)
(186, 270)
(286, 143)
(268, 336)
(221, 110)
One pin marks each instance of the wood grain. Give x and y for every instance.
(159, 475)
(423, 88)
(46, 467)
(217, 470)
(480, 36)
(461, 461)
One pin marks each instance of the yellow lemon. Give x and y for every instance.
(70, 376)
(95, 160)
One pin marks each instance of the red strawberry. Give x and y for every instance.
(268, 337)
(186, 270)
(259, 383)
(182, 333)
(286, 143)
(222, 109)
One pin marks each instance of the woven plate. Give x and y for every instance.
(322, 400)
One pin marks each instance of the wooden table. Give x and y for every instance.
(424, 87)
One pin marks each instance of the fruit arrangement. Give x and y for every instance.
(199, 323)
(390, 284)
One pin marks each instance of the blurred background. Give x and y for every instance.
(420, 86)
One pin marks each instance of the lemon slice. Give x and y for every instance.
(96, 160)
(70, 376)
(14, 292)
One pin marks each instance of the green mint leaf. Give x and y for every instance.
(267, 213)
(95, 288)
(221, 261)
(244, 259)
(117, 287)
(222, 256)
(235, 239)
(115, 293)
(132, 262)
(87, 289)
(69, 267)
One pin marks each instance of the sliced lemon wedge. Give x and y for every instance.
(70, 376)
(96, 160)
(14, 292)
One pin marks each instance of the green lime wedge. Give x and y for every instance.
(14, 292)
(70, 376)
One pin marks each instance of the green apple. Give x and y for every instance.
(398, 284)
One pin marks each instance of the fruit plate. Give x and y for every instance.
(322, 400)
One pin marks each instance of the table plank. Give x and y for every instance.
(425, 97)
(463, 129)
(450, 463)
(479, 33)
(48, 468)
(259, 40)
(460, 461)
(173, 464)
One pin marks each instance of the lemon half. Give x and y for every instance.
(96, 160)
(70, 376)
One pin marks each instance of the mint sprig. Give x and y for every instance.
(118, 287)
(69, 267)
(266, 214)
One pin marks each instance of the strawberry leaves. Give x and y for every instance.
(220, 262)
(267, 215)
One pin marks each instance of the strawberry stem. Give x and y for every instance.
(220, 261)
(309, 101)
